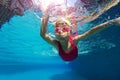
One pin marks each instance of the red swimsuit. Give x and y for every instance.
(71, 55)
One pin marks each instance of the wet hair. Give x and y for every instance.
(62, 19)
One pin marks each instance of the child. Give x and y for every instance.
(65, 43)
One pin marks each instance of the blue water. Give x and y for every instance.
(24, 55)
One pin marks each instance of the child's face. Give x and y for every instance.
(62, 30)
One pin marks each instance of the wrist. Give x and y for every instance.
(113, 21)
(46, 16)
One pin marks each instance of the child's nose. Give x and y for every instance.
(60, 31)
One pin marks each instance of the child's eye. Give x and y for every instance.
(64, 29)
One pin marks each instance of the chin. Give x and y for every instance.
(62, 36)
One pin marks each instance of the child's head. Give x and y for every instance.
(62, 28)
(62, 22)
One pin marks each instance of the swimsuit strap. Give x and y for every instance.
(71, 41)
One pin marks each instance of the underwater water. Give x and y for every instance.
(24, 55)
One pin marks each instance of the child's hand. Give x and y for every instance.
(48, 9)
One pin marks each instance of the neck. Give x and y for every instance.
(64, 42)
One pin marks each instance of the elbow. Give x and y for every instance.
(42, 35)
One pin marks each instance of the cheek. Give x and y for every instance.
(69, 32)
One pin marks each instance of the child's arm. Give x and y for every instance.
(43, 31)
(97, 29)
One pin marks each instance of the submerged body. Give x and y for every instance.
(69, 55)
(64, 43)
